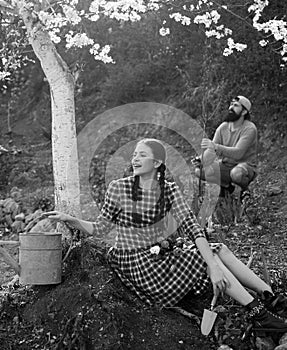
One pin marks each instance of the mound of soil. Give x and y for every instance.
(90, 309)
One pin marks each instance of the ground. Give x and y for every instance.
(91, 309)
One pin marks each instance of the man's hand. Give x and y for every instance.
(206, 143)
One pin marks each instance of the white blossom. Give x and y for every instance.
(54, 36)
(178, 17)
(95, 6)
(153, 5)
(4, 75)
(208, 18)
(277, 27)
(263, 42)
(227, 51)
(164, 31)
(155, 249)
(283, 51)
(101, 55)
(122, 10)
(186, 21)
(214, 33)
(73, 2)
(233, 46)
(134, 16)
(227, 31)
(78, 40)
(258, 6)
(215, 16)
(94, 18)
(71, 14)
(52, 20)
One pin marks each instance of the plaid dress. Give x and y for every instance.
(165, 281)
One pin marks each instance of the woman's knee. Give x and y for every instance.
(224, 250)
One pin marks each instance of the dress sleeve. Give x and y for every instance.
(182, 213)
(107, 218)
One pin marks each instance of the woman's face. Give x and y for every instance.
(143, 161)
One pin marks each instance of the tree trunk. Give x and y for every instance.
(61, 81)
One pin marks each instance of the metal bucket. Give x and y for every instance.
(40, 258)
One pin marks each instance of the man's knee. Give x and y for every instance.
(240, 176)
(236, 174)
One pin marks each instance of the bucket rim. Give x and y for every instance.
(40, 234)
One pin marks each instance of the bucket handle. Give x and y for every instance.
(41, 217)
(38, 219)
(32, 223)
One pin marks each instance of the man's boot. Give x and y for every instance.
(265, 319)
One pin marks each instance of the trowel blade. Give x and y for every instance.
(207, 322)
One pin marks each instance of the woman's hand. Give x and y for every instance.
(58, 216)
(85, 227)
(219, 280)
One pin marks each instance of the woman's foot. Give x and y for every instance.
(276, 303)
(263, 318)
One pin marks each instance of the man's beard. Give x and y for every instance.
(232, 116)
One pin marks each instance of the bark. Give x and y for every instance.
(66, 177)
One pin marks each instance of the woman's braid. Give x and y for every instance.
(160, 202)
(135, 189)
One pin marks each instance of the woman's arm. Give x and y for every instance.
(218, 279)
(187, 221)
(84, 226)
(105, 220)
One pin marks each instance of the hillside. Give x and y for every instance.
(91, 309)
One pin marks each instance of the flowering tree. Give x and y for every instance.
(48, 23)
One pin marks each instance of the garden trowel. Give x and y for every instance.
(208, 318)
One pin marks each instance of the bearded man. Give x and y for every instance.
(231, 157)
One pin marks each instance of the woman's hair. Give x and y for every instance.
(159, 153)
(158, 149)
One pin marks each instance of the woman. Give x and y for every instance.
(137, 207)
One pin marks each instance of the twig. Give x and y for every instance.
(265, 271)
(234, 14)
(185, 313)
(250, 259)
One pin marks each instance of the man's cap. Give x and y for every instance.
(244, 102)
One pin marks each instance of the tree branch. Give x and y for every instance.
(234, 14)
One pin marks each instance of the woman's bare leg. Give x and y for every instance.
(234, 288)
(242, 272)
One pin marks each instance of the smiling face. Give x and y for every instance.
(143, 161)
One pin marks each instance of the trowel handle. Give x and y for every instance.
(213, 301)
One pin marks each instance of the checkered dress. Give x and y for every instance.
(165, 281)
